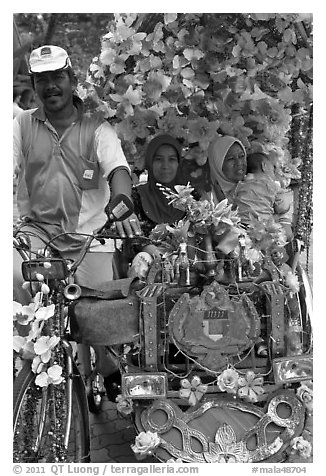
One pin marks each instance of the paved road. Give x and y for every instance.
(111, 437)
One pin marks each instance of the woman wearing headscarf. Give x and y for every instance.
(227, 159)
(162, 161)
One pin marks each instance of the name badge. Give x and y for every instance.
(88, 174)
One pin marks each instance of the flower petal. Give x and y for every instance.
(42, 380)
(184, 392)
(44, 313)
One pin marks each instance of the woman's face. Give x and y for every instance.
(165, 164)
(235, 164)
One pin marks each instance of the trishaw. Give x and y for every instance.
(214, 348)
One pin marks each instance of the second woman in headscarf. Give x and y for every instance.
(227, 161)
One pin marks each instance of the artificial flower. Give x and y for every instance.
(302, 447)
(45, 289)
(24, 314)
(227, 381)
(250, 386)
(130, 98)
(291, 280)
(53, 375)
(44, 345)
(45, 312)
(305, 394)
(124, 405)
(193, 390)
(145, 444)
(24, 347)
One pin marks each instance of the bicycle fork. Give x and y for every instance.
(69, 383)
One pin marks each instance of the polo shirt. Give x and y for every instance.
(63, 181)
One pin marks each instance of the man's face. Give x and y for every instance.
(54, 89)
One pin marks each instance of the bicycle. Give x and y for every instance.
(51, 422)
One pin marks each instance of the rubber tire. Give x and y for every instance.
(25, 383)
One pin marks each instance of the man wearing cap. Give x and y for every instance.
(68, 161)
(69, 165)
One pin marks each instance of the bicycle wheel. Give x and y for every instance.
(39, 416)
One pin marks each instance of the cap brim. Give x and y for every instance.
(41, 68)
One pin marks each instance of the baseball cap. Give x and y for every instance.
(48, 58)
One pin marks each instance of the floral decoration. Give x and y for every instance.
(192, 390)
(52, 375)
(305, 394)
(301, 447)
(124, 405)
(250, 386)
(37, 347)
(198, 74)
(145, 444)
(204, 215)
(227, 381)
(265, 235)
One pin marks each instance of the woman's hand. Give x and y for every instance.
(129, 227)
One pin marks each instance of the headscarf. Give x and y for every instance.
(154, 203)
(217, 151)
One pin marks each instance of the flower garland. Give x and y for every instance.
(35, 346)
(197, 74)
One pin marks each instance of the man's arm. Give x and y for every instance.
(120, 182)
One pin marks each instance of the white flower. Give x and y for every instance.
(302, 446)
(52, 375)
(45, 288)
(44, 313)
(228, 381)
(250, 386)
(145, 443)
(44, 345)
(193, 390)
(24, 347)
(305, 394)
(291, 280)
(23, 314)
(124, 405)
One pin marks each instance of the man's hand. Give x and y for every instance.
(153, 251)
(129, 227)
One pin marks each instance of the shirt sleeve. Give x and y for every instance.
(284, 206)
(109, 151)
(17, 146)
(23, 202)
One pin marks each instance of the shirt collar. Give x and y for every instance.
(39, 113)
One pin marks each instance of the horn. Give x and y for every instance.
(72, 292)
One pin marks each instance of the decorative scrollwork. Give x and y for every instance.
(226, 433)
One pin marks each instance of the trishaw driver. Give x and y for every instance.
(67, 162)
